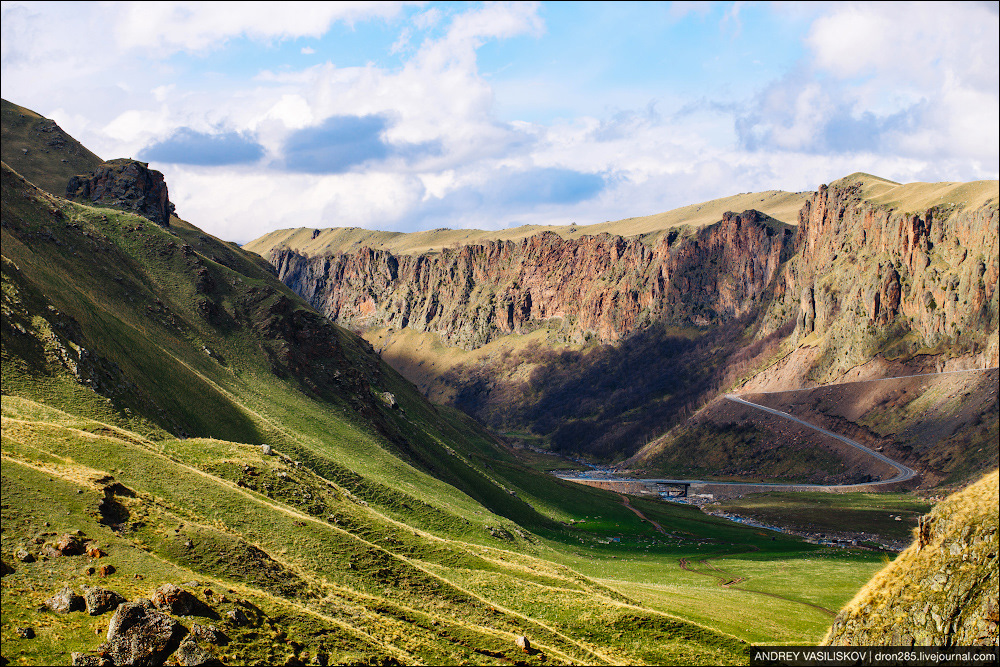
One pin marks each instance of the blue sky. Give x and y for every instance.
(406, 116)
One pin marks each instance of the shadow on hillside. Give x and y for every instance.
(607, 401)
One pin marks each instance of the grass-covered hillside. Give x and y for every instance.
(941, 591)
(143, 368)
(38, 149)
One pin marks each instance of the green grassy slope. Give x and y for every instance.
(110, 352)
(40, 150)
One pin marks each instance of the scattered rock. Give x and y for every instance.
(49, 551)
(88, 659)
(24, 556)
(95, 552)
(140, 635)
(176, 600)
(189, 653)
(70, 545)
(106, 570)
(523, 643)
(25, 633)
(100, 600)
(209, 634)
(389, 400)
(6, 569)
(237, 617)
(266, 450)
(66, 601)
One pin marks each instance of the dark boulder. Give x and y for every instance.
(24, 556)
(176, 600)
(70, 545)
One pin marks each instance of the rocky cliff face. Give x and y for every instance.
(127, 184)
(869, 279)
(941, 591)
(597, 286)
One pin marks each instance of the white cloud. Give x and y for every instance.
(167, 27)
(917, 80)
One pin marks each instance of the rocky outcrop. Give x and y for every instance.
(140, 635)
(126, 184)
(869, 279)
(597, 286)
(941, 591)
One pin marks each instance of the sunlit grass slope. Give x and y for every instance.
(380, 522)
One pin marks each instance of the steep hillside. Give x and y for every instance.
(941, 591)
(893, 272)
(38, 149)
(181, 428)
(943, 424)
(543, 338)
(602, 287)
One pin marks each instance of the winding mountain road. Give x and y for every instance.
(903, 473)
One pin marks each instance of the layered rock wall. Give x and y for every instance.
(597, 286)
(868, 279)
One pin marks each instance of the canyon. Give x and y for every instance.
(874, 278)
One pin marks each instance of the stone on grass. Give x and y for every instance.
(80, 659)
(100, 600)
(189, 653)
(66, 601)
(237, 617)
(140, 635)
(266, 450)
(70, 545)
(176, 600)
(209, 634)
(522, 643)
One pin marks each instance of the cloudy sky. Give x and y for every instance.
(406, 116)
